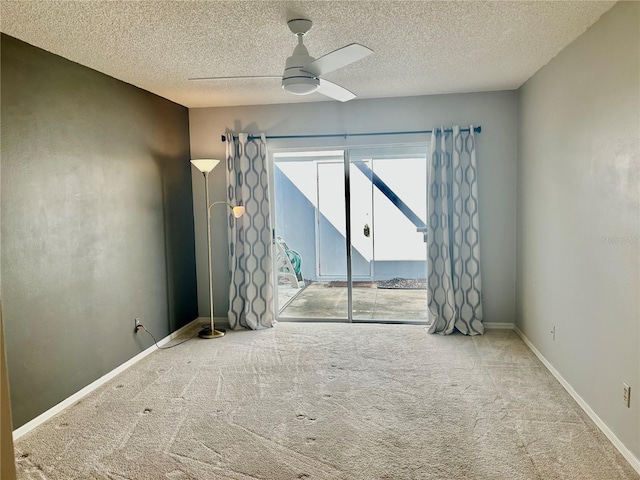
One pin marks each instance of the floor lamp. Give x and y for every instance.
(205, 165)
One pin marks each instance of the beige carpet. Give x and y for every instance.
(328, 401)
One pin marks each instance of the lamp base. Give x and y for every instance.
(206, 332)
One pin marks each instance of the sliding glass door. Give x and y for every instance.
(349, 234)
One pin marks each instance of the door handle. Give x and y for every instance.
(366, 230)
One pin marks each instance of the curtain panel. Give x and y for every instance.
(453, 234)
(251, 289)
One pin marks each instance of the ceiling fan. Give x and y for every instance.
(303, 73)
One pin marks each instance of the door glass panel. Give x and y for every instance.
(310, 235)
(392, 181)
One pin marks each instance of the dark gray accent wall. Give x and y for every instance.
(97, 224)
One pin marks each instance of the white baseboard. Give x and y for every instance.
(222, 322)
(498, 326)
(626, 453)
(67, 402)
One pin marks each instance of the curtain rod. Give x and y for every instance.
(477, 129)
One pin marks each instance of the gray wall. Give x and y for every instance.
(496, 147)
(579, 216)
(8, 466)
(97, 224)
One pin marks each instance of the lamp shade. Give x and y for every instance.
(205, 165)
(238, 211)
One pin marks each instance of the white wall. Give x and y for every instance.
(579, 216)
(496, 148)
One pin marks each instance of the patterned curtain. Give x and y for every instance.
(453, 240)
(251, 289)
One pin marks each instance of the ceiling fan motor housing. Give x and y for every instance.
(294, 79)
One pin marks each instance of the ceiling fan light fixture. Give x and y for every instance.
(300, 85)
(304, 74)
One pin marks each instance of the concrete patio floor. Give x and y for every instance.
(320, 300)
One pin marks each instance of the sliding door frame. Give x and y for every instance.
(301, 147)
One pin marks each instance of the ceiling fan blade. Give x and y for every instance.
(335, 91)
(338, 58)
(235, 78)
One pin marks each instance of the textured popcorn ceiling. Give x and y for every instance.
(421, 47)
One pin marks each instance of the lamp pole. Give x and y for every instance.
(209, 331)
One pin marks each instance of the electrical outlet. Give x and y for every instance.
(136, 324)
(626, 395)
(553, 332)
